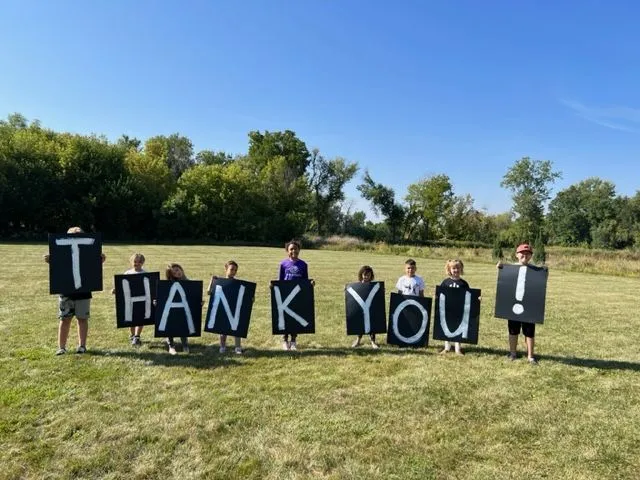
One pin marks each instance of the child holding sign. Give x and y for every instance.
(523, 254)
(136, 261)
(365, 275)
(175, 272)
(230, 270)
(454, 269)
(410, 283)
(70, 305)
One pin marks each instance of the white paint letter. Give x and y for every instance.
(75, 255)
(176, 288)
(522, 278)
(423, 326)
(463, 328)
(284, 307)
(366, 305)
(219, 296)
(129, 300)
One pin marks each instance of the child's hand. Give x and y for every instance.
(499, 265)
(113, 291)
(155, 303)
(46, 258)
(104, 257)
(313, 282)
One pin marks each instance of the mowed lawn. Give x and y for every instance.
(326, 411)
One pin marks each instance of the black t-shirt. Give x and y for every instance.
(78, 296)
(452, 283)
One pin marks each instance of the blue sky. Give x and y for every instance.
(407, 89)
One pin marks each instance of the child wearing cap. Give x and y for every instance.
(524, 252)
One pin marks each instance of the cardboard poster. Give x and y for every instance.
(75, 263)
(230, 305)
(409, 320)
(520, 293)
(179, 308)
(457, 315)
(292, 307)
(365, 308)
(135, 294)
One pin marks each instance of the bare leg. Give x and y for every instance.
(63, 332)
(83, 329)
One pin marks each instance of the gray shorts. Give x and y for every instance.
(67, 308)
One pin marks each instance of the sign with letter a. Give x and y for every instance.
(75, 263)
(135, 294)
(292, 307)
(230, 307)
(179, 309)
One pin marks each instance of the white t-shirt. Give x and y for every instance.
(410, 285)
(131, 271)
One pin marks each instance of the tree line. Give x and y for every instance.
(277, 190)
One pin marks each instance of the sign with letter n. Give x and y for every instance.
(75, 263)
(230, 305)
(135, 294)
(292, 308)
(179, 309)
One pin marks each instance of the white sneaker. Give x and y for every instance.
(286, 345)
(293, 346)
(238, 350)
(172, 351)
(356, 343)
(374, 345)
(222, 349)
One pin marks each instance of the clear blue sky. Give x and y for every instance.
(407, 89)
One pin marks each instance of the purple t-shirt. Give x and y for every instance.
(293, 270)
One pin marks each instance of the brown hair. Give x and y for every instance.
(169, 275)
(230, 262)
(364, 269)
(292, 242)
(410, 261)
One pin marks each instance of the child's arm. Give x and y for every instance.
(46, 258)
(213, 279)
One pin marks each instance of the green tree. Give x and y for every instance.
(384, 203)
(175, 150)
(264, 147)
(530, 183)
(428, 202)
(327, 179)
(209, 157)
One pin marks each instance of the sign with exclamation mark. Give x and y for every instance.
(521, 292)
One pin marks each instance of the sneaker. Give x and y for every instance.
(81, 349)
(61, 351)
(136, 340)
(172, 350)
(238, 351)
(374, 345)
(132, 339)
(444, 350)
(293, 346)
(222, 349)
(356, 343)
(286, 345)
(185, 349)
(512, 356)
(533, 361)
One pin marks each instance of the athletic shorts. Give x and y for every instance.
(528, 329)
(68, 308)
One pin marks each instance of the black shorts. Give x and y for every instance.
(528, 329)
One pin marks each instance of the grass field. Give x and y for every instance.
(326, 411)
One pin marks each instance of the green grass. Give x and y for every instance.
(327, 411)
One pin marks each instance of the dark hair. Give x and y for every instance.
(364, 269)
(230, 262)
(292, 242)
(410, 261)
(167, 272)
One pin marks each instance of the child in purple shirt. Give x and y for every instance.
(292, 268)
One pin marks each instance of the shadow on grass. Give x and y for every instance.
(572, 361)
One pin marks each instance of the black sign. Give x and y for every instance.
(520, 294)
(457, 315)
(179, 309)
(75, 263)
(365, 308)
(292, 307)
(409, 318)
(135, 294)
(230, 307)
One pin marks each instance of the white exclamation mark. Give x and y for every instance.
(522, 278)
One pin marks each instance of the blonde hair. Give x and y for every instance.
(170, 266)
(136, 256)
(451, 263)
(75, 230)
